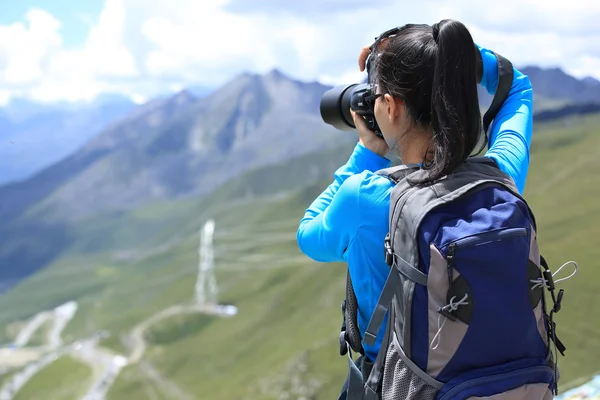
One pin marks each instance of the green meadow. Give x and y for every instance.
(124, 268)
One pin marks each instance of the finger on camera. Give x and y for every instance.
(359, 121)
(362, 57)
(361, 125)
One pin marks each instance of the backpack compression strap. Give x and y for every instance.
(350, 334)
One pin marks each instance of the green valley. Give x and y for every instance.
(125, 267)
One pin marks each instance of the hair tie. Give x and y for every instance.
(436, 31)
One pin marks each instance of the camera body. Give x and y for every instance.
(337, 102)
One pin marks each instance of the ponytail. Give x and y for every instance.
(455, 114)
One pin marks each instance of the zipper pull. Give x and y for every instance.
(450, 266)
(450, 259)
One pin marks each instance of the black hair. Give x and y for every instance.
(433, 69)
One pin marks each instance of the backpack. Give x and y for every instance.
(467, 312)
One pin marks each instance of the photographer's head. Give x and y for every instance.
(427, 108)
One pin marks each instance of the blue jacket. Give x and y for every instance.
(349, 220)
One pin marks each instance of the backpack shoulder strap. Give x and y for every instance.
(483, 160)
(398, 172)
(505, 80)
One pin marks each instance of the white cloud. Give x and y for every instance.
(23, 48)
(141, 47)
(82, 73)
(4, 97)
(138, 98)
(199, 41)
(104, 51)
(205, 43)
(38, 66)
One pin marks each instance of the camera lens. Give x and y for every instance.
(335, 107)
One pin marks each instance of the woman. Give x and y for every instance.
(428, 111)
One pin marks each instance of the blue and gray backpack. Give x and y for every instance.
(467, 312)
(465, 294)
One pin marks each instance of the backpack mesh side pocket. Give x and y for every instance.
(403, 380)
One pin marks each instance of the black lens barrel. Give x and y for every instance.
(335, 107)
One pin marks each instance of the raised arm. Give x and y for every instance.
(331, 221)
(510, 132)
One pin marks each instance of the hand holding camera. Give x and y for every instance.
(368, 138)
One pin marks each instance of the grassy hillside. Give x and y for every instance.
(564, 188)
(114, 251)
(64, 379)
(542, 103)
(124, 268)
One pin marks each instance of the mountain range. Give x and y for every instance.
(554, 89)
(166, 149)
(553, 83)
(172, 148)
(179, 146)
(35, 136)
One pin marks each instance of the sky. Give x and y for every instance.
(67, 50)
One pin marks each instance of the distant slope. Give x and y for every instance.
(34, 136)
(32, 245)
(160, 223)
(572, 110)
(261, 195)
(554, 89)
(167, 149)
(554, 83)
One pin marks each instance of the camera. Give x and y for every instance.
(360, 97)
(337, 102)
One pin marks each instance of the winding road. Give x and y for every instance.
(105, 364)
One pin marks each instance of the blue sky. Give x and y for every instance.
(75, 16)
(71, 50)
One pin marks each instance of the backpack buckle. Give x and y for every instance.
(558, 301)
(343, 336)
(343, 343)
(389, 254)
(549, 279)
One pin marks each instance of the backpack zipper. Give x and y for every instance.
(473, 240)
(470, 241)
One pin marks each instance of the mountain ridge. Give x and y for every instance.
(171, 148)
(556, 83)
(35, 136)
(71, 126)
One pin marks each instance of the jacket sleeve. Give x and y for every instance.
(332, 220)
(510, 132)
